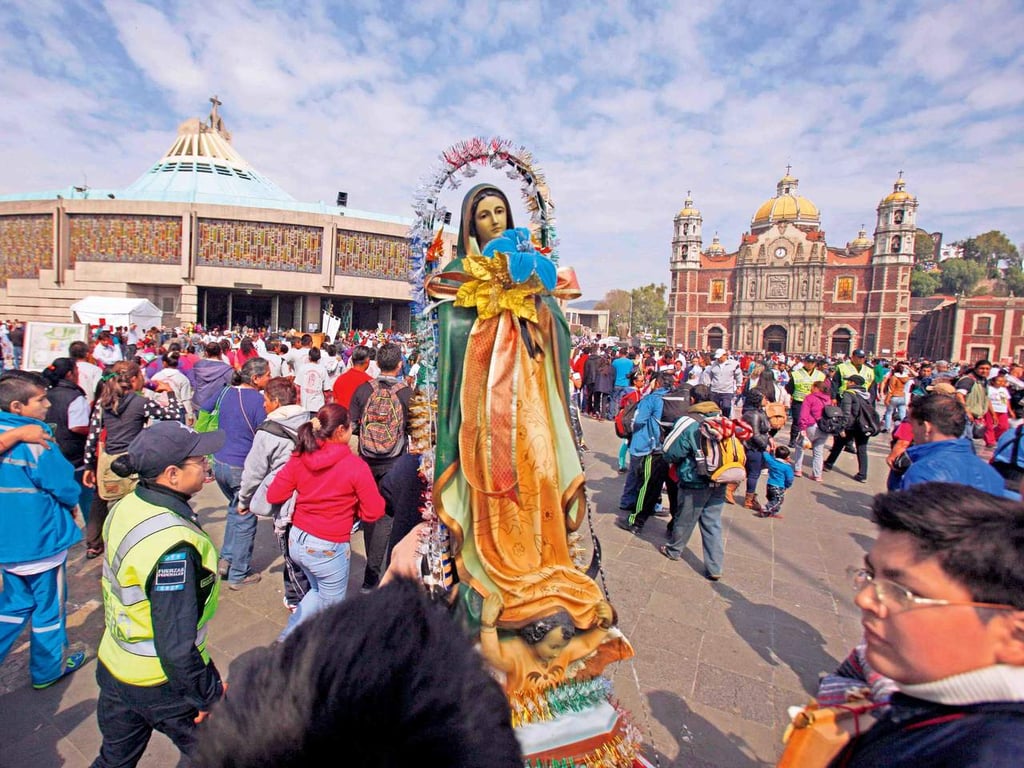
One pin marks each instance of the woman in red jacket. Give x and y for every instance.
(332, 487)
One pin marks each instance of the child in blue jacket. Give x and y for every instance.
(36, 529)
(780, 477)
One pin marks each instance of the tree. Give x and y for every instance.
(961, 275)
(642, 310)
(989, 248)
(1015, 281)
(924, 246)
(924, 283)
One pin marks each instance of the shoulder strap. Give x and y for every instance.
(278, 429)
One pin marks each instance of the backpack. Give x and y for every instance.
(258, 504)
(382, 425)
(723, 458)
(675, 405)
(866, 419)
(832, 420)
(777, 414)
(624, 418)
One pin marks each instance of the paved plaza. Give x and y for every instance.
(717, 663)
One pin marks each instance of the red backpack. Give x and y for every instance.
(627, 412)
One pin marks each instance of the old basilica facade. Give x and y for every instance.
(785, 289)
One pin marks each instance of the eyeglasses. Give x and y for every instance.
(201, 461)
(897, 598)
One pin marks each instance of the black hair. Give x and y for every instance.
(981, 362)
(314, 355)
(78, 350)
(754, 398)
(247, 347)
(306, 340)
(213, 349)
(944, 412)
(701, 393)
(389, 357)
(386, 679)
(225, 346)
(59, 370)
(19, 387)
(781, 451)
(978, 538)
(170, 359)
(536, 631)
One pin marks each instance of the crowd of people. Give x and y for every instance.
(316, 438)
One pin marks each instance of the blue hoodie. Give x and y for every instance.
(38, 490)
(951, 461)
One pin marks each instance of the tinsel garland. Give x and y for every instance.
(534, 706)
(426, 240)
(619, 752)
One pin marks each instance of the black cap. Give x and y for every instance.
(167, 443)
(859, 353)
(856, 380)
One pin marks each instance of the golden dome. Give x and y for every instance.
(899, 192)
(786, 206)
(688, 209)
(861, 242)
(716, 248)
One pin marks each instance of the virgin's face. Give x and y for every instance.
(551, 646)
(490, 219)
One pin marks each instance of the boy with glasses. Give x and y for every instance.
(941, 596)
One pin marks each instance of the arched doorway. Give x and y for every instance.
(716, 338)
(775, 338)
(841, 341)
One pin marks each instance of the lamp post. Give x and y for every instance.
(629, 328)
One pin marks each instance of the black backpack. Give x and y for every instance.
(832, 420)
(675, 405)
(866, 419)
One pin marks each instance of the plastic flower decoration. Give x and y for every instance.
(525, 257)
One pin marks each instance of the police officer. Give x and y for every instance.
(160, 591)
(855, 366)
(802, 377)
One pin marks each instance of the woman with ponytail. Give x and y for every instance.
(119, 415)
(332, 488)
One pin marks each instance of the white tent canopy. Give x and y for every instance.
(115, 311)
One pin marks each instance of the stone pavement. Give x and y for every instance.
(717, 663)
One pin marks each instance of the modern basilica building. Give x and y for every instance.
(207, 238)
(785, 289)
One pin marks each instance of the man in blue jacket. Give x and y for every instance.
(939, 453)
(941, 595)
(35, 533)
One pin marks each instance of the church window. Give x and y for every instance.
(983, 325)
(841, 340)
(716, 337)
(897, 216)
(717, 290)
(895, 244)
(691, 340)
(844, 289)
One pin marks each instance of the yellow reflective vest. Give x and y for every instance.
(137, 535)
(846, 370)
(802, 381)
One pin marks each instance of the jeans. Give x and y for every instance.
(724, 401)
(755, 463)
(818, 440)
(325, 564)
(85, 495)
(776, 494)
(240, 530)
(128, 715)
(613, 406)
(704, 506)
(897, 404)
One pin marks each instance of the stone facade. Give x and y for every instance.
(786, 290)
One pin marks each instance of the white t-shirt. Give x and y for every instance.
(312, 380)
(294, 360)
(1000, 399)
(89, 376)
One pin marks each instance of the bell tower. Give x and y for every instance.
(684, 265)
(888, 308)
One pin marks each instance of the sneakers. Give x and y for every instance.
(712, 576)
(625, 525)
(622, 470)
(798, 473)
(860, 478)
(72, 663)
(252, 578)
(827, 467)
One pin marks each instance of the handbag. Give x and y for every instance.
(817, 734)
(209, 421)
(978, 430)
(110, 486)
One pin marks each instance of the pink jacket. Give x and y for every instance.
(334, 486)
(811, 410)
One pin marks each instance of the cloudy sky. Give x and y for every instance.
(626, 105)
